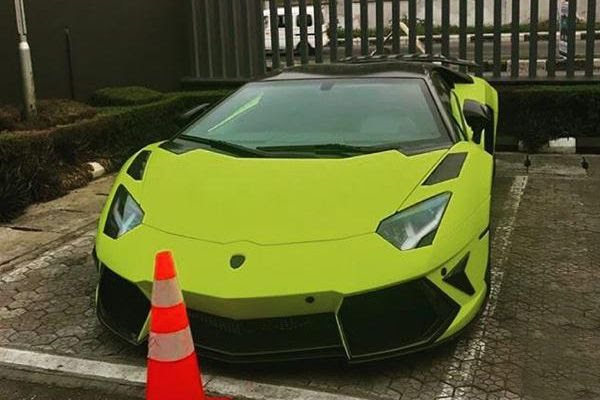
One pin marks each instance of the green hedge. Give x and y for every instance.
(41, 165)
(124, 96)
(33, 165)
(536, 114)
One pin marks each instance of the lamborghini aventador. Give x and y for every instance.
(325, 211)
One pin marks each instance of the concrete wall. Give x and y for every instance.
(114, 42)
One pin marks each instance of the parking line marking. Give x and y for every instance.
(474, 348)
(131, 375)
(78, 367)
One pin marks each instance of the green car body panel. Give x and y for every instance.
(307, 228)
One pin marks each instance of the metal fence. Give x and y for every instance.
(522, 40)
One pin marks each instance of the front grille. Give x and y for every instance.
(390, 320)
(265, 335)
(121, 305)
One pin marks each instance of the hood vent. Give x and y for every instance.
(137, 167)
(448, 169)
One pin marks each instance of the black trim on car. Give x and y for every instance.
(458, 278)
(448, 169)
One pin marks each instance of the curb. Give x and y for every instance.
(77, 372)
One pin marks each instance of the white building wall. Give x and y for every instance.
(488, 12)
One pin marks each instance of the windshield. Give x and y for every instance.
(393, 112)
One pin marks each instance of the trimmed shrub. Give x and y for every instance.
(124, 96)
(54, 112)
(22, 175)
(50, 113)
(9, 117)
(41, 165)
(536, 114)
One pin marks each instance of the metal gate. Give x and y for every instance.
(510, 40)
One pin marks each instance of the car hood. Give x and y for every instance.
(219, 198)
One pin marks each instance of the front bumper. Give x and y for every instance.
(312, 318)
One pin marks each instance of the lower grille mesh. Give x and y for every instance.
(264, 335)
(412, 313)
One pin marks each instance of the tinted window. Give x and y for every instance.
(359, 112)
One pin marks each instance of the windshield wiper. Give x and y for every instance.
(226, 146)
(331, 148)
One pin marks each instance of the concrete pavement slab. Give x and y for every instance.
(536, 340)
(44, 223)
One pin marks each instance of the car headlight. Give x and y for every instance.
(124, 214)
(415, 226)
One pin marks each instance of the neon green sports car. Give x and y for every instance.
(325, 211)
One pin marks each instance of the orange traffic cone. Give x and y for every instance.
(173, 371)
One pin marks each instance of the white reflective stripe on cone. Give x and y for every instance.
(166, 293)
(169, 347)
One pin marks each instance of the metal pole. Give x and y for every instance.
(26, 65)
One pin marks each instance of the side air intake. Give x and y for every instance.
(458, 278)
(448, 169)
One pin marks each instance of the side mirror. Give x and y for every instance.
(185, 118)
(477, 117)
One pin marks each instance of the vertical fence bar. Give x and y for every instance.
(533, 38)
(209, 40)
(333, 30)
(571, 44)
(274, 19)
(396, 26)
(348, 28)
(195, 40)
(246, 15)
(497, 38)
(233, 34)
(429, 26)
(217, 22)
(446, 27)
(302, 18)
(552, 19)
(379, 25)
(242, 55)
(259, 37)
(590, 38)
(479, 36)
(462, 31)
(318, 31)
(514, 39)
(289, 32)
(221, 18)
(412, 26)
(364, 27)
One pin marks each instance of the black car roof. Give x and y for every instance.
(370, 68)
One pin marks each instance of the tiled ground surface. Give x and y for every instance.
(538, 339)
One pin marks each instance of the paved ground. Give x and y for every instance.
(538, 338)
(16, 390)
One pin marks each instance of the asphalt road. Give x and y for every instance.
(537, 339)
